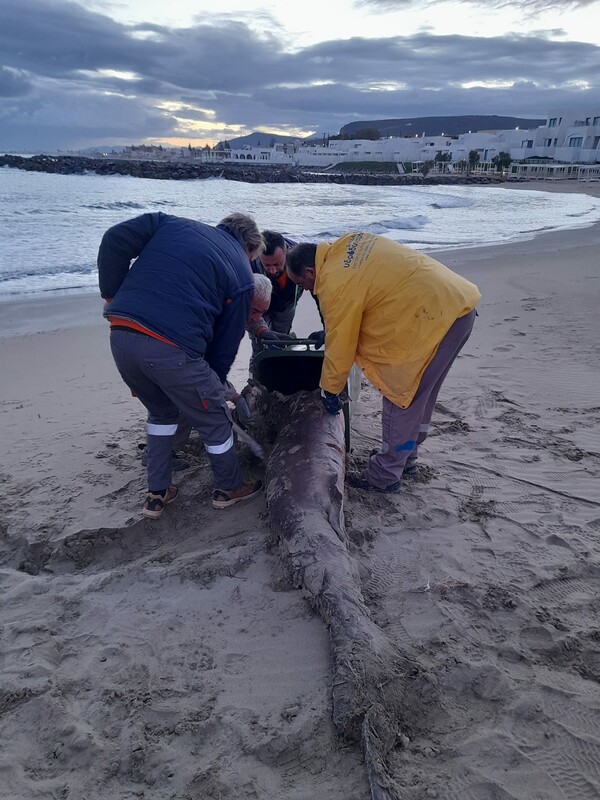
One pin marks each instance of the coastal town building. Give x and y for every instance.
(568, 140)
(567, 145)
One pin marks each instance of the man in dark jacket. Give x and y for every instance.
(177, 315)
(285, 295)
(275, 324)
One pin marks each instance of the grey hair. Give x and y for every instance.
(245, 230)
(262, 288)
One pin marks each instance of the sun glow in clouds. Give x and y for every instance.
(173, 107)
(109, 73)
(487, 85)
(387, 86)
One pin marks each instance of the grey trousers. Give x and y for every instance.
(404, 429)
(171, 385)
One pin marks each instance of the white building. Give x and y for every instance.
(572, 138)
(567, 138)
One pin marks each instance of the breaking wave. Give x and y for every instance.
(406, 223)
(115, 205)
(415, 223)
(50, 269)
(451, 201)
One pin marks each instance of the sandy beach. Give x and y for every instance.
(173, 660)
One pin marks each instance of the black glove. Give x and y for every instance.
(245, 416)
(269, 335)
(273, 339)
(331, 402)
(230, 391)
(317, 338)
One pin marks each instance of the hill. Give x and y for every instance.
(435, 126)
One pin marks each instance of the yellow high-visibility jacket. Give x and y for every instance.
(387, 307)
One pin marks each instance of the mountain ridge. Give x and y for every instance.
(436, 126)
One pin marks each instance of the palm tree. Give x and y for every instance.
(502, 161)
(443, 159)
(473, 159)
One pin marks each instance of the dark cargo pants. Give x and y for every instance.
(404, 429)
(171, 384)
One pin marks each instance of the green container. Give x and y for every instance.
(296, 367)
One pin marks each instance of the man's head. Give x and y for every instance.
(261, 298)
(273, 256)
(300, 265)
(245, 230)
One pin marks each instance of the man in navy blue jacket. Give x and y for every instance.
(177, 316)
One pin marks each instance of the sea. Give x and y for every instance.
(51, 225)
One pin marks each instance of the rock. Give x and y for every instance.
(248, 173)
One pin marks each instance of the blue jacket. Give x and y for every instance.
(191, 283)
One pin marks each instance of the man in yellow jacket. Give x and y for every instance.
(403, 317)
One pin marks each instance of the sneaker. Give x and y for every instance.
(155, 503)
(223, 498)
(177, 463)
(358, 482)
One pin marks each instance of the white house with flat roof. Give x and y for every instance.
(566, 137)
(569, 137)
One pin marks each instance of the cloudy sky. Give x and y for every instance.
(76, 73)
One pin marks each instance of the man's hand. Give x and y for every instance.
(273, 339)
(245, 416)
(331, 402)
(317, 338)
(229, 391)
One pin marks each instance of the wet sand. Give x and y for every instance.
(172, 659)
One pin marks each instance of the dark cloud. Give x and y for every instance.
(13, 83)
(58, 39)
(426, 60)
(69, 77)
(330, 107)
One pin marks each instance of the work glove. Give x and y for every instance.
(317, 338)
(245, 416)
(331, 402)
(273, 339)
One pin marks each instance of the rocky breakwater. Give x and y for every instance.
(249, 173)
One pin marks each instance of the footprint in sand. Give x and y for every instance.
(537, 638)
(558, 541)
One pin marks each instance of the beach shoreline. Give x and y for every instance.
(174, 659)
(25, 315)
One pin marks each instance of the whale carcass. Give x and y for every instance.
(375, 687)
